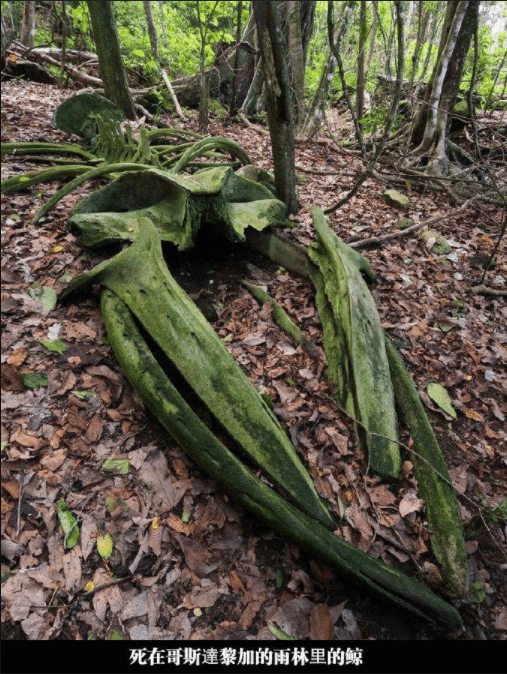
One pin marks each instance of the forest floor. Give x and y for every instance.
(210, 571)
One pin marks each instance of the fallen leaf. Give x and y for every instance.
(17, 358)
(439, 395)
(321, 623)
(410, 504)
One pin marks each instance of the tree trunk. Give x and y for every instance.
(162, 22)
(360, 62)
(460, 22)
(372, 40)
(110, 60)
(316, 110)
(279, 99)
(253, 95)
(423, 16)
(232, 107)
(28, 27)
(307, 13)
(152, 32)
(64, 43)
(296, 56)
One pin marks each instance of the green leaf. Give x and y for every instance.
(116, 636)
(110, 504)
(105, 546)
(275, 631)
(68, 523)
(82, 395)
(138, 52)
(121, 466)
(34, 380)
(57, 346)
(439, 395)
(46, 296)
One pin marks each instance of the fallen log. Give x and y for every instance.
(174, 98)
(221, 464)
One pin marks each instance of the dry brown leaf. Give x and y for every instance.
(410, 503)
(78, 330)
(27, 439)
(94, 430)
(501, 621)
(178, 525)
(196, 556)
(236, 583)
(18, 357)
(53, 460)
(321, 623)
(12, 487)
(72, 571)
(11, 379)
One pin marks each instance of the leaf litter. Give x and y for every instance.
(182, 559)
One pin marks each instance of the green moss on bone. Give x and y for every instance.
(263, 502)
(188, 340)
(358, 333)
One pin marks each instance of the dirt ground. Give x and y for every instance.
(209, 571)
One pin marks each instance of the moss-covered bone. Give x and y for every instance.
(223, 466)
(73, 115)
(176, 204)
(139, 276)
(435, 487)
(362, 375)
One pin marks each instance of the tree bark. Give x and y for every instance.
(296, 56)
(28, 27)
(279, 99)
(423, 16)
(315, 113)
(372, 40)
(460, 22)
(64, 43)
(361, 61)
(152, 32)
(112, 70)
(162, 22)
(232, 107)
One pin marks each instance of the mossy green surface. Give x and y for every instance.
(435, 486)
(139, 276)
(364, 382)
(222, 465)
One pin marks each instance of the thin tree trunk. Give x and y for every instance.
(336, 53)
(174, 98)
(64, 43)
(152, 32)
(203, 79)
(28, 27)
(398, 4)
(373, 32)
(422, 27)
(232, 107)
(316, 110)
(492, 90)
(296, 56)
(254, 92)
(112, 70)
(162, 22)
(360, 61)
(279, 100)
(438, 82)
